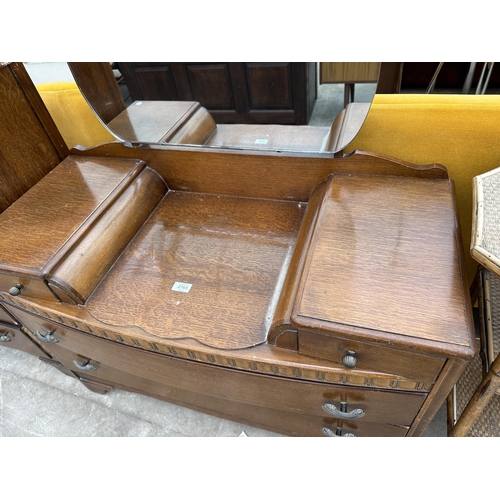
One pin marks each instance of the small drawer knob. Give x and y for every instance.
(4, 337)
(15, 290)
(349, 360)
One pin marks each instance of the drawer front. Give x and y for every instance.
(372, 358)
(6, 318)
(343, 403)
(288, 423)
(17, 339)
(29, 287)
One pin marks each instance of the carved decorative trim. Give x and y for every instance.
(275, 368)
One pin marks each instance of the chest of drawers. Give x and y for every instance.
(330, 303)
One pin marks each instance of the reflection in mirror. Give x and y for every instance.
(333, 120)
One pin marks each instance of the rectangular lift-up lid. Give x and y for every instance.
(383, 264)
(61, 237)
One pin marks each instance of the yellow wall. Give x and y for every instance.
(461, 132)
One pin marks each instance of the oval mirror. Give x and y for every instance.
(255, 106)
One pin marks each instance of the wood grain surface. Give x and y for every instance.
(30, 144)
(98, 85)
(233, 251)
(306, 398)
(386, 249)
(256, 174)
(271, 137)
(263, 358)
(86, 262)
(349, 72)
(36, 226)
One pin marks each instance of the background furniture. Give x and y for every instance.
(474, 405)
(175, 122)
(349, 74)
(452, 76)
(279, 93)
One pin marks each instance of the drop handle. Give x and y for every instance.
(84, 365)
(350, 360)
(343, 413)
(331, 433)
(48, 338)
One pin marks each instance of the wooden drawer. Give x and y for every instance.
(372, 358)
(235, 386)
(31, 287)
(6, 318)
(288, 423)
(15, 338)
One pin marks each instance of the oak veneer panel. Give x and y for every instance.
(233, 251)
(264, 358)
(349, 72)
(97, 83)
(282, 422)
(6, 318)
(89, 259)
(373, 358)
(27, 150)
(19, 340)
(280, 393)
(256, 174)
(36, 226)
(384, 258)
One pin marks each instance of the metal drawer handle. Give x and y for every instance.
(85, 365)
(4, 337)
(331, 433)
(15, 290)
(48, 338)
(350, 360)
(342, 413)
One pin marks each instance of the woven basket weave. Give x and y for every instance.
(488, 423)
(491, 210)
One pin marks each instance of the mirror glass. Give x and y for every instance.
(295, 107)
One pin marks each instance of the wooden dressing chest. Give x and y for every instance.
(304, 294)
(339, 311)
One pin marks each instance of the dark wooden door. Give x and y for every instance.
(281, 92)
